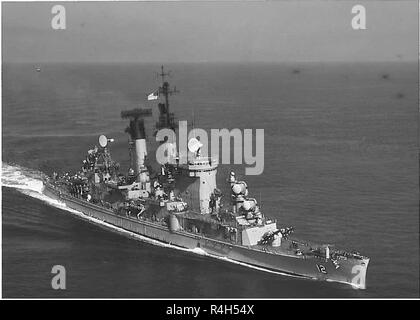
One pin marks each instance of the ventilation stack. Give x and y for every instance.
(137, 134)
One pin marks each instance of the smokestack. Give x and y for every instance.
(137, 133)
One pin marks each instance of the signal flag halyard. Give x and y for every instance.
(153, 96)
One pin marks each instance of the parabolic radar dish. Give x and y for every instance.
(103, 141)
(194, 144)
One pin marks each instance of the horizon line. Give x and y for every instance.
(208, 62)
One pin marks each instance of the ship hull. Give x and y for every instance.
(350, 271)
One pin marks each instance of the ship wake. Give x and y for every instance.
(29, 182)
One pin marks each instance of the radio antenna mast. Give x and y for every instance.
(166, 91)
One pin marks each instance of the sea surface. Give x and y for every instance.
(341, 166)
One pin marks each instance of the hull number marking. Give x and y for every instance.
(321, 268)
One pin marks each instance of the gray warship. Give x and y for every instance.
(180, 204)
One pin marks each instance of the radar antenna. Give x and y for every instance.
(163, 74)
(166, 119)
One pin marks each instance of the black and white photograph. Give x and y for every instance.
(210, 150)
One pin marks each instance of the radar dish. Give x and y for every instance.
(194, 144)
(103, 141)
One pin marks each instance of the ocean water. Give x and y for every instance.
(341, 166)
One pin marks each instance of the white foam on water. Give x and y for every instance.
(30, 183)
(20, 178)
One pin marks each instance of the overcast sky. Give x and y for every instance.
(210, 31)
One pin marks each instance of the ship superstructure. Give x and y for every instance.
(181, 204)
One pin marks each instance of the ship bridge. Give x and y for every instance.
(200, 164)
(196, 183)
